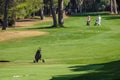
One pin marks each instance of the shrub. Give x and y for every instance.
(1, 22)
(11, 22)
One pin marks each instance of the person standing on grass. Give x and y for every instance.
(37, 55)
(98, 21)
(88, 21)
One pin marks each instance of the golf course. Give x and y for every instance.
(72, 52)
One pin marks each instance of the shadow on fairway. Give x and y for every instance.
(90, 14)
(105, 71)
(4, 61)
(27, 20)
(47, 27)
(112, 17)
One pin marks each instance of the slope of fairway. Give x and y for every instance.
(74, 52)
(76, 43)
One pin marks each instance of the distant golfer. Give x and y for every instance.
(98, 21)
(88, 21)
(37, 55)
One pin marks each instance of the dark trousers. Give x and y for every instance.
(88, 23)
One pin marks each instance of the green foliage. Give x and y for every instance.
(26, 7)
(11, 22)
(102, 5)
(1, 8)
(66, 2)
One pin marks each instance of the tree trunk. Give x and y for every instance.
(118, 3)
(81, 6)
(111, 2)
(115, 7)
(60, 13)
(45, 7)
(5, 18)
(85, 5)
(41, 13)
(53, 13)
(93, 5)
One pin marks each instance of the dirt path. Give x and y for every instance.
(30, 22)
(6, 35)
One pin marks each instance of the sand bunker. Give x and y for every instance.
(6, 35)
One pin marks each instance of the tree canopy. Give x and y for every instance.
(27, 8)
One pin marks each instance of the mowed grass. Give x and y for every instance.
(75, 52)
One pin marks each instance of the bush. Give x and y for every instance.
(1, 22)
(11, 22)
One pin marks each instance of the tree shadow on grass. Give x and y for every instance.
(27, 20)
(44, 27)
(112, 17)
(105, 71)
(48, 27)
(3, 61)
(90, 14)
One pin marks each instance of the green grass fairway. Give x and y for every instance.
(75, 52)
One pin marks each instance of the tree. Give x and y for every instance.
(118, 3)
(80, 5)
(60, 13)
(5, 19)
(42, 13)
(53, 14)
(25, 8)
(114, 7)
(1, 8)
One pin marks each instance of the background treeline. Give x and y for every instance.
(11, 10)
